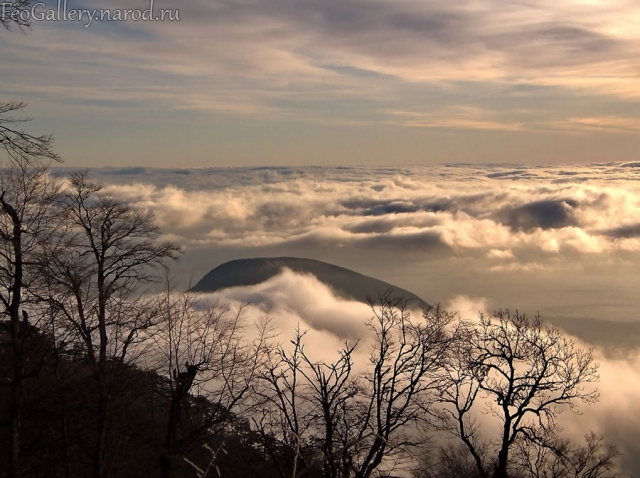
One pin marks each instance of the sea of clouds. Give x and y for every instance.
(561, 240)
(298, 301)
(507, 213)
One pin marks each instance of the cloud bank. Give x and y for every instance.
(516, 218)
(559, 240)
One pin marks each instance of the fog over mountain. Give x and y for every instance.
(344, 282)
(562, 241)
(301, 301)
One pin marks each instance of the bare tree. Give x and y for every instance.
(306, 405)
(450, 461)
(407, 359)
(97, 264)
(26, 196)
(559, 458)
(357, 422)
(204, 350)
(524, 374)
(20, 146)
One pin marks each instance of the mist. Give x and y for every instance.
(560, 241)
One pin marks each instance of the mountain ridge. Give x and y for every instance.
(345, 282)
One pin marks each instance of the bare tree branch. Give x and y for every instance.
(527, 373)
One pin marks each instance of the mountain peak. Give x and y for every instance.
(345, 282)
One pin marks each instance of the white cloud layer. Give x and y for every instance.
(563, 241)
(516, 217)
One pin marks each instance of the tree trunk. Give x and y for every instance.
(17, 335)
(172, 432)
(16, 399)
(503, 456)
(180, 391)
(99, 465)
(165, 465)
(103, 400)
(501, 468)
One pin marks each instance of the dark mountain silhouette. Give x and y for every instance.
(346, 283)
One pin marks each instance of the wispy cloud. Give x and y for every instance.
(600, 123)
(252, 57)
(460, 118)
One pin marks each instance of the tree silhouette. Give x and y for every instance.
(347, 424)
(17, 12)
(97, 266)
(26, 197)
(524, 374)
(202, 350)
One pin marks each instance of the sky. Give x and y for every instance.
(333, 82)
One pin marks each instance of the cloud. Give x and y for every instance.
(544, 214)
(500, 254)
(619, 408)
(393, 61)
(615, 415)
(297, 300)
(626, 231)
(599, 123)
(440, 244)
(468, 307)
(560, 238)
(444, 210)
(459, 118)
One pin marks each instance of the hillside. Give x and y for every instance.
(345, 282)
